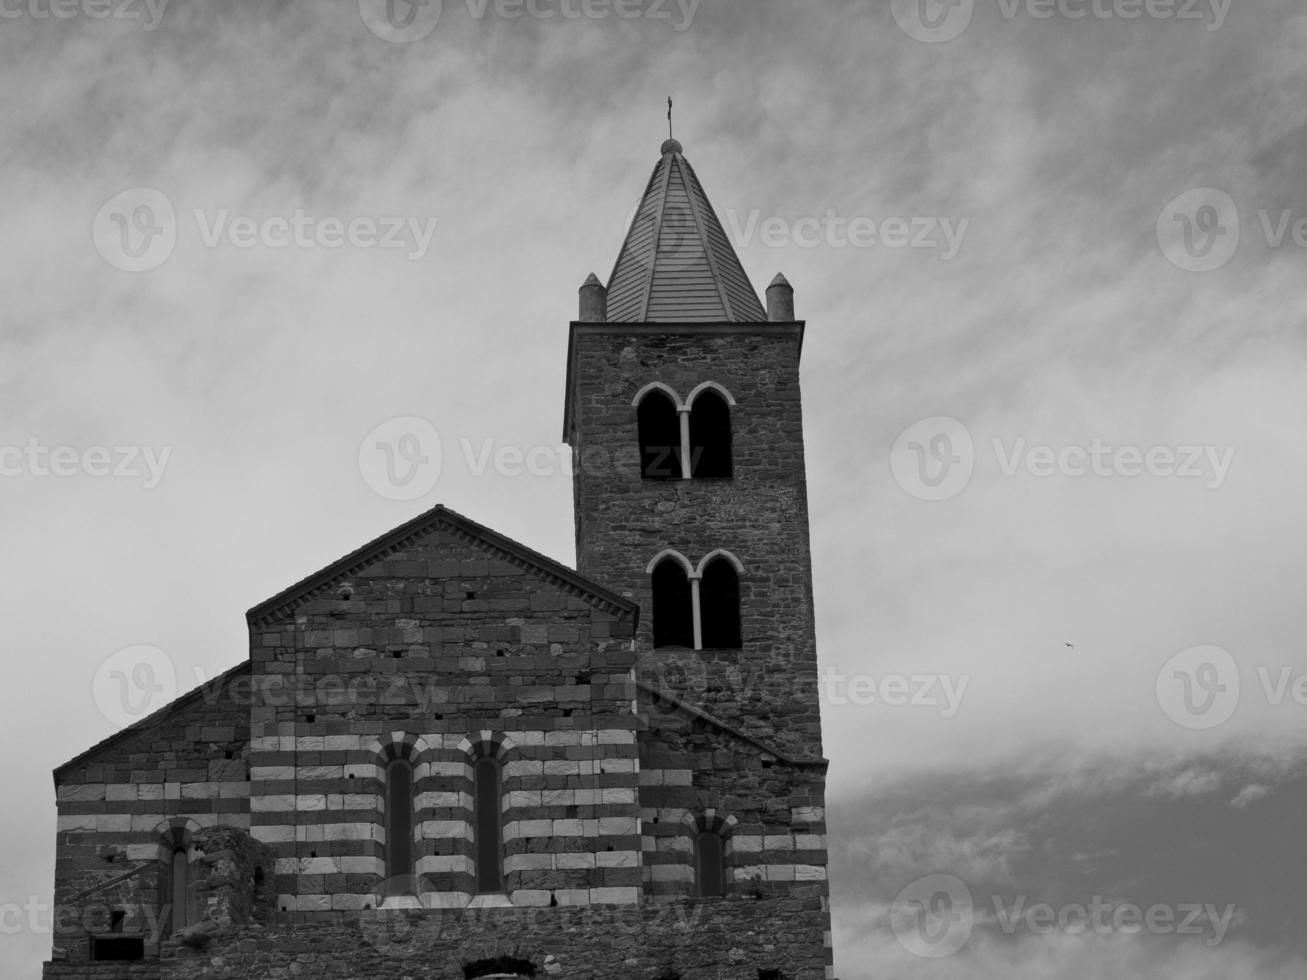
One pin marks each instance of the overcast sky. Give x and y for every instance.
(1053, 377)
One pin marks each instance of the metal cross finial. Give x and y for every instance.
(669, 118)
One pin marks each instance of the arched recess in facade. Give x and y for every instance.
(176, 878)
(490, 779)
(711, 851)
(400, 765)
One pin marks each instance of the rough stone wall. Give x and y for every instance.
(770, 813)
(768, 688)
(455, 650)
(117, 812)
(690, 940)
(228, 891)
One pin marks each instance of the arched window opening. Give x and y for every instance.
(178, 890)
(673, 606)
(719, 605)
(399, 826)
(710, 865)
(660, 438)
(710, 438)
(489, 833)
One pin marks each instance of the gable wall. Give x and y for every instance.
(459, 650)
(114, 809)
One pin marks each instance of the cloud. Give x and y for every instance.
(1250, 794)
(1190, 782)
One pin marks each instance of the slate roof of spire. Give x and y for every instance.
(677, 265)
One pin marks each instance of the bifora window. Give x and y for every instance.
(700, 610)
(680, 441)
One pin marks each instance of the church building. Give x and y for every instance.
(447, 756)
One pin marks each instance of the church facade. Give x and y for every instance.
(448, 756)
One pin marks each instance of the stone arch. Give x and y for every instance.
(676, 556)
(710, 386)
(667, 390)
(713, 556)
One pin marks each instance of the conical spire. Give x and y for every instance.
(677, 265)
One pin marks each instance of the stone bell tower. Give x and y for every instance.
(683, 413)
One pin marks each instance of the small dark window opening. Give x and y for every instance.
(719, 606)
(118, 949)
(178, 893)
(489, 848)
(660, 438)
(399, 822)
(710, 438)
(116, 920)
(710, 870)
(673, 610)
